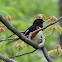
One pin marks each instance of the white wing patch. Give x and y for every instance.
(26, 32)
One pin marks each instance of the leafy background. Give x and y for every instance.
(23, 13)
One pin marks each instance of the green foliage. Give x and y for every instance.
(29, 8)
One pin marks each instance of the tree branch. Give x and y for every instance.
(23, 54)
(6, 58)
(46, 54)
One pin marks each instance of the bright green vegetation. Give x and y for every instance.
(23, 12)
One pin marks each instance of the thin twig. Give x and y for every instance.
(30, 35)
(50, 34)
(17, 52)
(23, 54)
(10, 35)
(9, 39)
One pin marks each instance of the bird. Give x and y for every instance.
(37, 24)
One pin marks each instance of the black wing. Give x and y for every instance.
(30, 29)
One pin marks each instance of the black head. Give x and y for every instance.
(38, 22)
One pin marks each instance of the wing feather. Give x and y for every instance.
(30, 29)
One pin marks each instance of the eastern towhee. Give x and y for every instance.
(37, 24)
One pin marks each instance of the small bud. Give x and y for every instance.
(58, 46)
(50, 19)
(41, 16)
(9, 18)
(2, 30)
(2, 25)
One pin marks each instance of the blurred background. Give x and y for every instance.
(23, 13)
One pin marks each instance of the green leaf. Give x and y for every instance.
(60, 52)
(52, 52)
(59, 28)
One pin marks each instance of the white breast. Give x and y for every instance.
(38, 36)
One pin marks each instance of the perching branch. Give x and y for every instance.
(14, 40)
(23, 54)
(8, 38)
(17, 52)
(6, 58)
